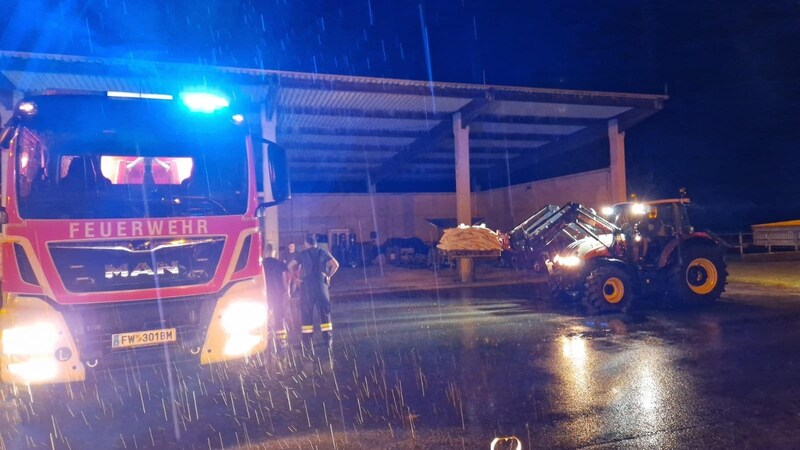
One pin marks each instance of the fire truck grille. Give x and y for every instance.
(109, 266)
(93, 327)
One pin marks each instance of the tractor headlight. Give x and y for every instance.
(638, 209)
(568, 261)
(39, 338)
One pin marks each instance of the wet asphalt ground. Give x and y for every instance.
(455, 370)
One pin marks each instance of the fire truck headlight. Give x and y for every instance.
(244, 317)
(607, 211)
(204, 102)
(241, 344)
(39, 338)
(36, 370)
(567, 261)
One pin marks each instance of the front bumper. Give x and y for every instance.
(84, 334)
(566, 279)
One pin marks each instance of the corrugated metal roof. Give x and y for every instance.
(383, 84)
(340, 110)
(39, 81)
(367, 101)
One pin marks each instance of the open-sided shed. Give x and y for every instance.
(363, 134)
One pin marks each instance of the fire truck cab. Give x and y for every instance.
(130, 233)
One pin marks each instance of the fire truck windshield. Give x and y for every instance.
(114, 175)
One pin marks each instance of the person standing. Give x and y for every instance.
(291, 259)
(277, 277)
(316, 268)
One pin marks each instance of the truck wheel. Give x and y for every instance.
(697, 277)
(608, 289)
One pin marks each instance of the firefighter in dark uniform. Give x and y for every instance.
(277, 277)
(316, 268)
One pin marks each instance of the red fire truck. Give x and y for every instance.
(130, 233)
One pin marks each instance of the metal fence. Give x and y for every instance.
(772, 241)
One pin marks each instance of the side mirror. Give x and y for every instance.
(3, 216)
(276, 173)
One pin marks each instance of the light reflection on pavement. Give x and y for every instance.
(455, 372)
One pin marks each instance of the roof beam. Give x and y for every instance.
(539, 120)
(473, 156)
(445, 128)
(290, 131)
(341, 147)
(334, 156)
(365, 113)
(581, 97)
(630, 118)
(516, 136)
(565, 144)
(346, 165)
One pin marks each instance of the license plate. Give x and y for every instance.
(143, 338)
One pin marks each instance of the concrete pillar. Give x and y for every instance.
(616, 142)
(372, 189)
(269, 220)
(463, 194)
(617, 183)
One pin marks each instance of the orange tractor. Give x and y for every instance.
(629, 250)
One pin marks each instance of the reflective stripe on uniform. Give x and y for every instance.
(308, 329)
(326, 326)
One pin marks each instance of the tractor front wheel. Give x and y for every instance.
(608, 289)
(698, 276)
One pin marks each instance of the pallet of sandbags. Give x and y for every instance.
(470, 241)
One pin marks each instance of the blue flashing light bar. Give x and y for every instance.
(28, 108)
(121, 94)
(204, 102)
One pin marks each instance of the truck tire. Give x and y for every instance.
(608, 289)
(697, 276)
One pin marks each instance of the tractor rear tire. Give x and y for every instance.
(697, 277)
(608, 289)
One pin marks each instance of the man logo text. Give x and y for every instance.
(141, 269)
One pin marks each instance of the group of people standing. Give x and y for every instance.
(306, 275)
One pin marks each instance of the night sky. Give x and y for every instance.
(729, 133)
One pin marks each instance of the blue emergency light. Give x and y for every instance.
(204, 102)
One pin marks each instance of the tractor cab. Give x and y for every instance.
(650, 226)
